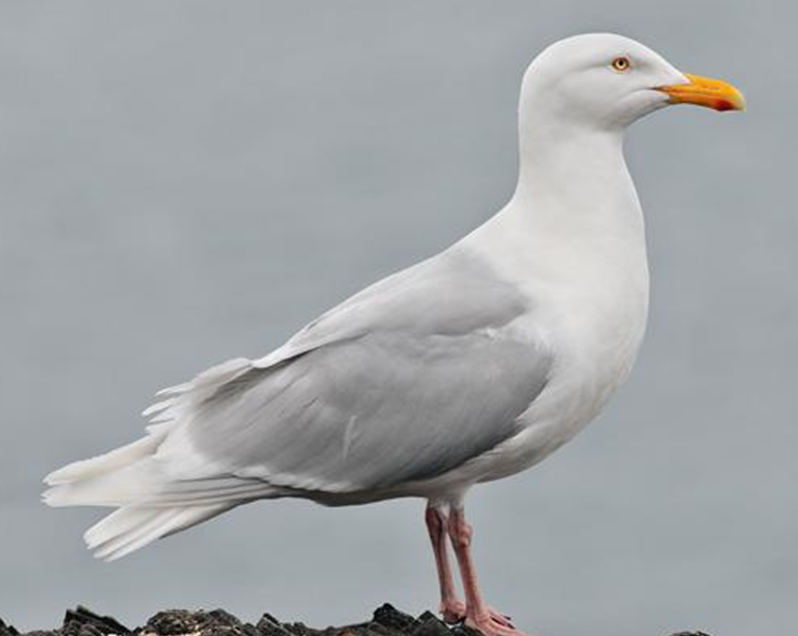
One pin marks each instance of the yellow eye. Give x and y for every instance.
(621, 64)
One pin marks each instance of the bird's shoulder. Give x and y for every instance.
(455, 293)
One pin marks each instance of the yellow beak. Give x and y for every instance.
(704, 91)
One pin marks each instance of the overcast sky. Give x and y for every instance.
(185, 182)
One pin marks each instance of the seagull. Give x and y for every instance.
(465, 368)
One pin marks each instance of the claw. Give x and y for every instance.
(500, 618)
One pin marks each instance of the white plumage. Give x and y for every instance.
(465, 368)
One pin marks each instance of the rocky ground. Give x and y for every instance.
(387, 621)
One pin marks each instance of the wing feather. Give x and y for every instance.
(403, 382)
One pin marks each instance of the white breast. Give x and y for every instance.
(587, 287)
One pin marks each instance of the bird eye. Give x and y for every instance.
(621, 64)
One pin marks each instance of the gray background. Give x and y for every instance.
(183, 182)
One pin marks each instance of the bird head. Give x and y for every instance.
(609, 81)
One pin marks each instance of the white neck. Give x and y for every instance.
(575, 208)
(577, 175)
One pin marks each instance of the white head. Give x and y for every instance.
(606, 81)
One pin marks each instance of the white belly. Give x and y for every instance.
(581, 262)
(596, 330)
(591, 310)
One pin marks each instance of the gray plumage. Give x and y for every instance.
(403, 382)
(400, 384)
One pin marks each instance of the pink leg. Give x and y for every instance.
(452, 608)
(477, 615)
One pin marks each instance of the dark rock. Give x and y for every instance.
(268, 625)
(222, 617)
(87, 623)
(388, 616)
(214, 623)
(172, 622)
(430, 625)
(299, 629)
(387, 621)
(7, 630)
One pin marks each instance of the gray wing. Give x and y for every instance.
(405, 381)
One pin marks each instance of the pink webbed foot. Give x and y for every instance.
(455, 612)
(493, 624)
(501, 618)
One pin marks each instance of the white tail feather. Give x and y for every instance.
(103, 464)
(152, 502)
(133, 527)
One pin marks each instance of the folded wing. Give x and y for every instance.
(405, 381)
